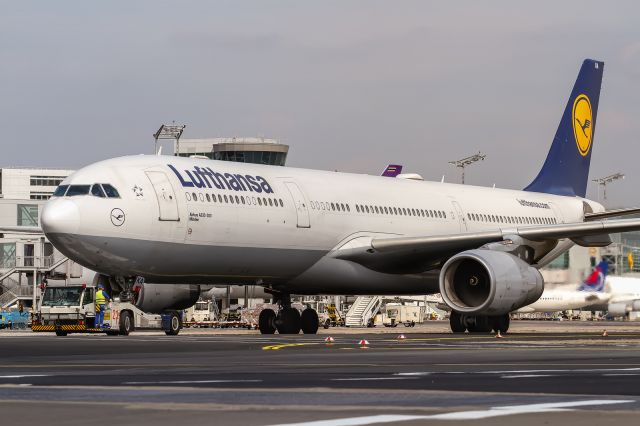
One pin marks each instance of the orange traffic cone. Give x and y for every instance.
(499, 335)
(364, 344)
(329, 340)
(401, 337)
(604, 333)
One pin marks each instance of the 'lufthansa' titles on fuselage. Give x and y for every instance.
(201, 177)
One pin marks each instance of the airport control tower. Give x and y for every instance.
(245, 150)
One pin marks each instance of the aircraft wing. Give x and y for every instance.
(588, 217)
(421, 253)
(20, 230)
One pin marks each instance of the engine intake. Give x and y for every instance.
(487, 282)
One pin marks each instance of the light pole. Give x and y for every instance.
(169, 131)
(604, 181)
(464, 162)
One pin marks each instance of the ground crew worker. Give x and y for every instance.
(101, 301)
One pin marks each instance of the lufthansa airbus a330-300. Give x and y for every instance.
(296, 231)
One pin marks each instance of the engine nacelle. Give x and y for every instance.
(156, 298)
(487, 282)
(618, 309)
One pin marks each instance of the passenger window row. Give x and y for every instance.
(518, 220)
(102, 190)
(234, 199)
(325, 205)
(401, 211)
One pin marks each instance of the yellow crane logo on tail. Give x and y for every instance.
(582, 123)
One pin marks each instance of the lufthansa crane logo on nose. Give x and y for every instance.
(117, 217)
(582, 123)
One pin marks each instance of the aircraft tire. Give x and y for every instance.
(500, 323)
(456, 324)
(61, 333)
(126, 323)
(288, 321)
(480, 325)
(174, 325)
(309, 322)
(266, 321)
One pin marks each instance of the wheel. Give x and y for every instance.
(327, 323)
(61, 333)
(479, 324)
(309, 321)
(174, 325)
(500, 323)
(266, 321)
(288, 321)
(456, 323)
(126, 323)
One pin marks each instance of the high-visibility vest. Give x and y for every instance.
(100, 298)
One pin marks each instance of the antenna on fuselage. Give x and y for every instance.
(169, 131)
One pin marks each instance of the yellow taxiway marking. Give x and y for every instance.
(285, 345)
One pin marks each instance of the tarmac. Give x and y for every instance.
(540, 372)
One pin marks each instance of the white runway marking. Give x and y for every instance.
(186, 382)
(357, 379)
(508, 410)
(524, 376)
(415, 373)
(23, 375)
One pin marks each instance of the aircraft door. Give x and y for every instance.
(301, 205)
(557, 212)
(461, 218)
(167, 203)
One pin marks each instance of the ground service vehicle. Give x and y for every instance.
(71, 309)
(403, 314)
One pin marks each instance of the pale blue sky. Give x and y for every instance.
(350, 85)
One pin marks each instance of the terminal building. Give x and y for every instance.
(243, 150)
(30, 183)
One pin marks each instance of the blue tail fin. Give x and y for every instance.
(595, 281)
(566, 169)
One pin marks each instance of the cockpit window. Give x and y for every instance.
(60, 190)
(96, 190)
(78, 190)
(110, 191)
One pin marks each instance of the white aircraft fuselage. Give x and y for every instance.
(187, 220)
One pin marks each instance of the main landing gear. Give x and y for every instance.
(478, 323)
(288, 320)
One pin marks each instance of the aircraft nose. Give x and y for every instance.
(60, 217)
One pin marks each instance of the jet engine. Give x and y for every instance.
(618, 309)
(487, 282)
(156, 298)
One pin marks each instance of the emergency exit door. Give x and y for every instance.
(167, 203)
(301, 205)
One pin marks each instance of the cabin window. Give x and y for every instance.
(97, 191)
(60, 190)
(78, 190)
(109, 190)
